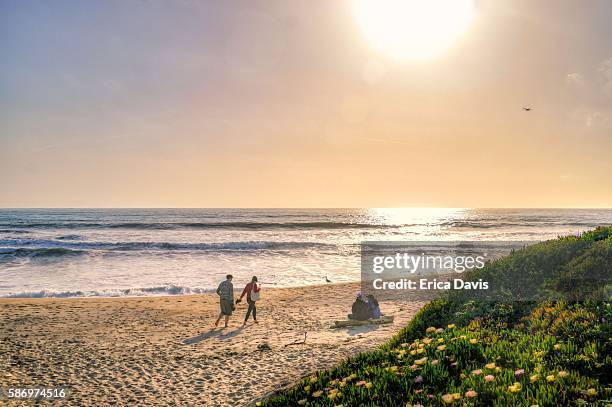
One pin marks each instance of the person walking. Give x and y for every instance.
(226, 299)
(252, 291)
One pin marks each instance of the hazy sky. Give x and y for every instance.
(286, 104)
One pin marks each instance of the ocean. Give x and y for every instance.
(130, 252)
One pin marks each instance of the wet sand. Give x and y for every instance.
(164, 351)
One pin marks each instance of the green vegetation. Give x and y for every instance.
(461, 351)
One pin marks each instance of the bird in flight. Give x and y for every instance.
(527, 109)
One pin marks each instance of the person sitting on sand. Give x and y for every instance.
(373, 306)
(251, 290)
(226, 299)
(360, 310)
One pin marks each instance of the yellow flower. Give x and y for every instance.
(557, 346)
(317, 393)
(448, 399)
(463, 337)
(313, 379)
(331, 396)
(368, 385)
(591, 392)
(550, 378)
(489, 378)
(441, 347)
(413, 352)
(456, 396)
(302, 402)
(306, 389)
(420, 361)
(439, 330)
(419, 351)
(490, 365)
(440, 340)
(430, 330)
(471, 394)
(515, 388)
(421, 345)
(258, 403)
(563, 373)
(498, 369)
(451, 326)
(426, 341)
(473, 341)
(534, 378)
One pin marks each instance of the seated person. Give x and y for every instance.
(360, 310)
(373, 306)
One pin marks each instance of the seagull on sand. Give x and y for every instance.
(327, 280)
(527, 109)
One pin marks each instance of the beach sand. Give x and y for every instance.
(163, 350)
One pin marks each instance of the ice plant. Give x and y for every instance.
(471, 394)
(489, 378)
(550, 378)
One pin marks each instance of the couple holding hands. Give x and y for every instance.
(226, 299)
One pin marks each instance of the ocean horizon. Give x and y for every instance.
(134, 252)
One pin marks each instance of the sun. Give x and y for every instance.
(413, 29)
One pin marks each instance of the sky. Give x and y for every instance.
(287, 104)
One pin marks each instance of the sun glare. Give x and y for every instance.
(413, 29)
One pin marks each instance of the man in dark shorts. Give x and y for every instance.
(226, 299)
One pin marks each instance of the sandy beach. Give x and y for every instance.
(163, 350)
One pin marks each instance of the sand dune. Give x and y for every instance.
(163, 350)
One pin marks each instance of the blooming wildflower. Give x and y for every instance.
(435, 362)
(302, 402)
(421, 361)
(413, 352)
(307, 388)
(419, 351)
(426, 341)
(473, 341)
(563, 373)
(414, 367)
(430, 330)
(439, 330)
(368, 385)
(404, 345)
(557, 346)
(476, 372)
(456, 396)
(591, 392)
(418, 379)
(441, 347)
(317, 393)
(451, 326)
(421, 345)
(550, 378)
(515, 388)
(440, 340)
(462, 376)
(519, 372)
(498, 369)
(534, 378)
(313, 379)
(471, 394)
(490, 365)
(454, 364)
(489, 378)
(448, 399)
(360, 383)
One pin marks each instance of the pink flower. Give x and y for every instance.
(519, 372)
(418, 379)
(434, 362)
(489, 378)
